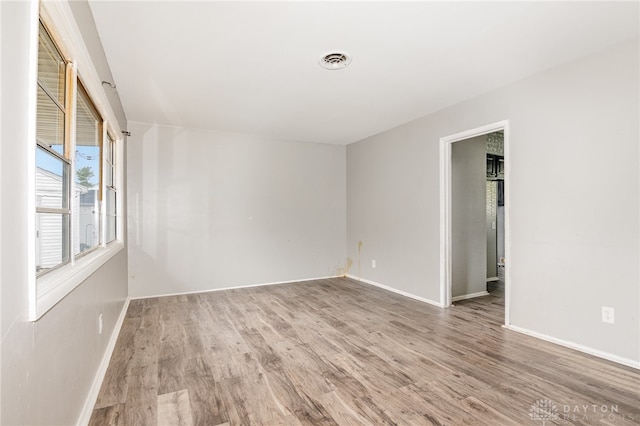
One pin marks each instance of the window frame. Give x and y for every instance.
(101, 125)
(110, 162)
(65, 108)
(48, 289)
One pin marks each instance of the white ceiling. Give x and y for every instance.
(253, 67)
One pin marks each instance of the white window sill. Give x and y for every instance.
(54, 286)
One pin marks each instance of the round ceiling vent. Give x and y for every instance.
(335, 60)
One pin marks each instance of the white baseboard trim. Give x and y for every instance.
(492, 279)
(234, 288)
(578, 347)
(394, 290)
(470, 296)
(92, 397)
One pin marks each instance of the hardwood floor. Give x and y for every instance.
(337, 351)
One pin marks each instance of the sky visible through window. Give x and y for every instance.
(86, 156)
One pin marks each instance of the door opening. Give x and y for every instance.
(474, 215)
(495, 212)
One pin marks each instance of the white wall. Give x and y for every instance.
(48, 366)
(574, 145)
(212, 210)
(468, 217)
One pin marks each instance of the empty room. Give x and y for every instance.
(305, 213)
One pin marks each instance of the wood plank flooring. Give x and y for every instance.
(337, 351)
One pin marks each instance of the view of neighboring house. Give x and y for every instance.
(49, 240)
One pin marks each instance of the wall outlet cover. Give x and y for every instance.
(608, 315)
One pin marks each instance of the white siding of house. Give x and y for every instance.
(49, 226)
(87, 230)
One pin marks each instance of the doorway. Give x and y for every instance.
(465, 267)
(495, 206)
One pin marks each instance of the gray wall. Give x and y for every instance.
(212, 210)
(468, 216)
(566, 262)
(47, 366)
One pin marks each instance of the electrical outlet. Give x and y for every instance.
(608, 315)
(100, 324)
(373, 263)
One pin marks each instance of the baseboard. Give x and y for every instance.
(394, 290)
(234, 288)
(92, 397)
(469, 296)
(492, 279)
(578, 347)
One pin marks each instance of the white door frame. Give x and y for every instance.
(445, 210)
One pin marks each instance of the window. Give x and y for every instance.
(53, 166)
(110, 188)
(75, 174)
(68, 169)
(87, 194)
